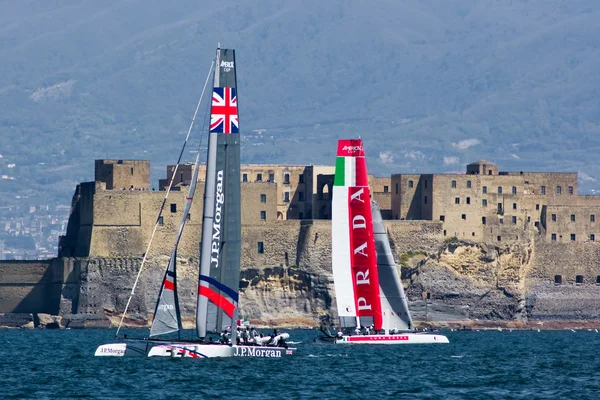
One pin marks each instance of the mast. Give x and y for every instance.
(220, 247)
(354, 260)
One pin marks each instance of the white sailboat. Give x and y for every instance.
(219, 272)
(368, 289)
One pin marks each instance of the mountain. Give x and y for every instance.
(429, 85)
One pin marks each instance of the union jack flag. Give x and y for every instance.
(224, 112)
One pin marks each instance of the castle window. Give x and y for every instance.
(131, 171)
(489, 172)
(514, 190)
(484, 190)
(553, 217)
(468, 184)
(425, 199)
(514, 206)
(261, 247)
(573, 237)
(472, 233)
(572, 217)
(286, 179)
(259, 177)
(483, 220)
(271, 177)
(579, 280)
(499, 238)
(570, 190)
(501, 221)
(468, 200)
(457, 200)
(598, 280)
(263, 198)
(425, 183)
(537, 206)
(444, 232)
(161, 220)
(543, 189)
(301, 178)
(464, 216)
(592, 237)
(286, 197)
(442, 218)
(244, 177)
(558, 279)
(554, 237)
(484, 202)
(500, 208)
(499, 189)
(558, 190)
(453, 184)
(300, 196)
(514, 219)
(410, 184)
(263, 215)
(592, 218)
(173, 207)
(386, 189)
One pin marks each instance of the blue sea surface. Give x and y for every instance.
(59, 364)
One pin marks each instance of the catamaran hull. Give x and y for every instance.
(191, 350)
(132, 349)
(407, 338)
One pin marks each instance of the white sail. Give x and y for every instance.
(391, 294)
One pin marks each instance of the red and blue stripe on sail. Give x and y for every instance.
(215, 296)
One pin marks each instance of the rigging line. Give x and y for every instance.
(165, 198)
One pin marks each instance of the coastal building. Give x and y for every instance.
(486, 204)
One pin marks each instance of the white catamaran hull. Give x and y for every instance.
(192, 350)
(405, 338)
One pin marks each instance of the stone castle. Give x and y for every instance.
(485, 245)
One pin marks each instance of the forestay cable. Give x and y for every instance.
(165, 198)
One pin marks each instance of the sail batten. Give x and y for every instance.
(220, 250)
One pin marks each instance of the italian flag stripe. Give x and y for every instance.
(345, 171)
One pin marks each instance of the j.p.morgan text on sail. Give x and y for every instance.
(216, 237)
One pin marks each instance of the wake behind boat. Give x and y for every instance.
(219, 275)
(372, 306)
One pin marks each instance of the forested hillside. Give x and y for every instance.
(429, 85)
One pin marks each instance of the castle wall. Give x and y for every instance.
(45, 286)
(260, 199)
(568, 299)
(456, 202)
(123, 174)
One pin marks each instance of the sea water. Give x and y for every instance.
(59, 364)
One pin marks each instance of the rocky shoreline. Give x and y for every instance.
(76, 321)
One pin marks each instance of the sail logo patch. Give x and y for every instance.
(352, 149)
(224, 111)
(227, 65)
